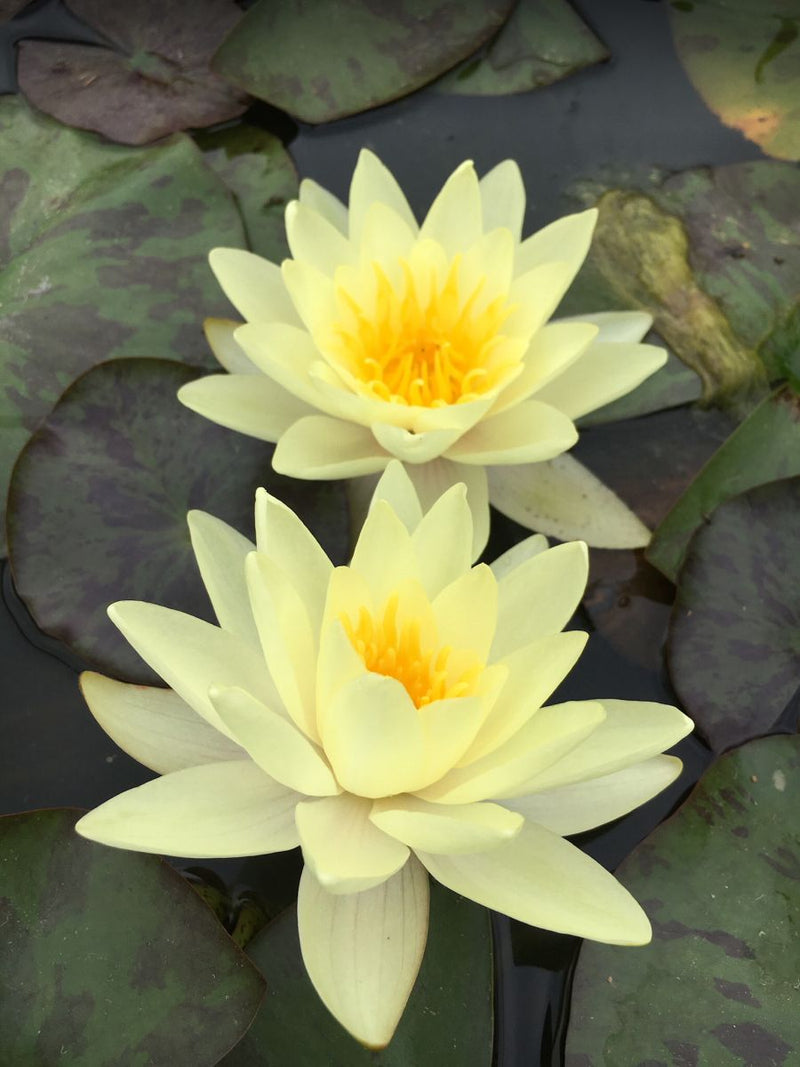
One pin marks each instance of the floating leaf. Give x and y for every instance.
(259, 172)
(448, 1021)
(9, 8)
(103, 253)
(98, 503)
(338, 57)
(734, 646)
(542, 42)
(744, 60)
(109, 957)
(764, 448)
(155, 81)
(720, 881)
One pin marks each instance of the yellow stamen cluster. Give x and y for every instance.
(427, 352)
(394, 648)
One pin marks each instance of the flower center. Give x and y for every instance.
(428, 351)
(395, 649)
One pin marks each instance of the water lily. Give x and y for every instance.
(389, 717)
(432, 344)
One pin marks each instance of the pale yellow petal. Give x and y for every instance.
(373, 183)
(553, 349)
(253, 285)
(324, 203)
(449, 727)
(220, 551)
(517, 554)
(535, 296)
(346, 852)
(338, 662)
(154, 725)
(216, 810)
(386, 238)
(454, 219)
(396, 488)
(284, 353)
(622, 326)
(442, 540)
(315, 240)
(527, 433)
(488, 265)
(466, 611)
(414, 447)
(312, 294)
(363, 951)
(541, 879)
(449, 829)
(503, 198)
(384, 555)
(254, 405)
(322, 447)
(567, 239)
(432, 479)
(219, 334)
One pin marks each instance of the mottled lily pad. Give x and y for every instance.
(103, 253)
(734, 646)
(110, 957)
(259, 172)
(9, 8)
(744, 60)
(153, 81)
(720, 881)
(448, 1021)
(764, 448)
(542, 42)
(98, 503)
(332, 58)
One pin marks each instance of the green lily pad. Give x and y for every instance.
(764, 448)
(734, 645)
(542, 42)
(99, 496)
(720, 881)
(744, 60)
(153, 81)
(448, 1021)
(103, 253)
(333, 58)
(109, 957)
(259, 172)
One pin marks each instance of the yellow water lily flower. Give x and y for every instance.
(388, 718)
(382, 338)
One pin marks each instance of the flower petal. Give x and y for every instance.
(448, 829)
(517, 554)
(373, 183)
(315, 240)
(220, 552)
(442, 540)
(545, 881)
(540, 596)
(312, 294)
(563, 499)
(212, 811)
(228, 351)
(503, 198)
(623, 326)
(527, 433)
(384, 554)
(454, 218)
(284, 353)
(338, 662)
(154, 725)
(415, 447)
(321, 447)
(535, 296)
(449, 727)
(346, 852)
(466, 611)
(324, 203)
(254, 405)
(553, 348)
(386, 238)
(274, 743)
(432, 479)
(253, 285)
(363, 951)
(567, 239)
(396, 488)
(585, 805)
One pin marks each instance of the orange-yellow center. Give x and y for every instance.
(428, 352)
(394, 648)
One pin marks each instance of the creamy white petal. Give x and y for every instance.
(563, 499)
(517, 554)
(363, 951)
(454, 218)
(527, 433)
(324, 203)
(372, 183)
(449, 828)
(503, 197)
(432, 479)
(220, 552)
(228, 351)
(254, 405)
(624, 326)
(321, 447)
(567, 239)
(253, 285)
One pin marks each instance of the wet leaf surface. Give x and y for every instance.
(720, 881)
(734, 644)
(259, 172)
(744, 60)
(103, 253)
(109, 957)
(764, 448)
(542, 42)
(448, 1021)
(98, 503)
(153, 80)
(333, 58)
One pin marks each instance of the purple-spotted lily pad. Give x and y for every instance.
(103, 253)
(98, 503)
(323, 60)
(542, 42)
(744, 60)
(110, 957)
(448, 1021)
(734, 645)
(152, 81)
(720, 881)
(9, 8)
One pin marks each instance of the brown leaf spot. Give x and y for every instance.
(736, 991)
(755, 1046)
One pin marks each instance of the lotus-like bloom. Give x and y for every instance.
(388, 718)
(381, 338)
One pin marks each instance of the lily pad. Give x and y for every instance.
(259, 172)
(448, 1021)
(110, 957)
(734, 645)
(542, 42)
(99, 496)
(154, 79)
(744, 60)
(333, 58)
(720, 881)
(9, 8)
(103, 253)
